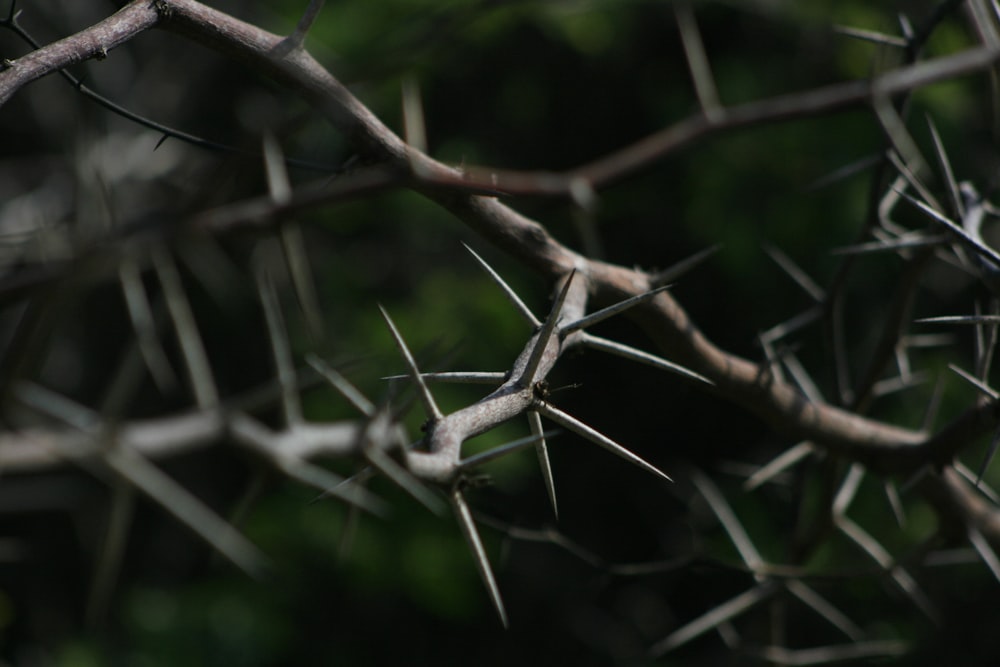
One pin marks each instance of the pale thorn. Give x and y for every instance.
(779, 464)
(430, 406)
(248, 431)
(848, 489)
(846, 171)
(481, 458)
(527, 378)
(912, 341)
(793, 324)
(632, 353)
(975, 382)
(330, 484)
(143, 320)
(824, 608)
(278, 185)
(975, 244)
(341, 384)
(293, 246)
(916, 240)
(357, 479)
(984, 550)
(578, 427)
(933, 405)
(802, 378)
(774, 366)
(730, 523)
(542, 449)
(986, 338)
(945, 164)
(906, 177)
(508, 291)
(880, 555)
(414, 126)
(675, 271)
(795, 272)
(715, 617)
(960, 319)
(56, 405)
(895, 502)
(610, 311)
(403, 479)
(468, 526)
(458, 377)
(135, 471)
(988, 458)
(193, 352)
(697, 61)
(970, 477)
(870, 36)
(905, 154)
(187, 508)
(279, 345)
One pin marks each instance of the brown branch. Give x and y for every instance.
(94, 42)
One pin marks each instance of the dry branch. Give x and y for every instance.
(589, 290)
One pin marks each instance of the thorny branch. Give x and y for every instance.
(473, 195)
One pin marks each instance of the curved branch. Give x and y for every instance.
(94, 42)
(736, 379)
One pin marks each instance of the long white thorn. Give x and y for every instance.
(880, 555)
(188, 509)
(990, 453)
(821, 606)
(578, 427)
(984, 550)
(341, 384)
(632, 353)
(404, 479)
(610, 311)
(248, 431)
(144, 324)
(508, 291)
(795, 272)
(730, 523)
(545, 334)
(459, 377)
(541, 447)
(672, 273)
(279, 346)
(960, 319)
(948, 176)
(715, 617)
(697, 60)
(973, 243)
(471, 534)
(430, 406)
(779, 464)
(508, 448)
(975, 382)
(278, 185)
(195, 357)
(293, 246)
